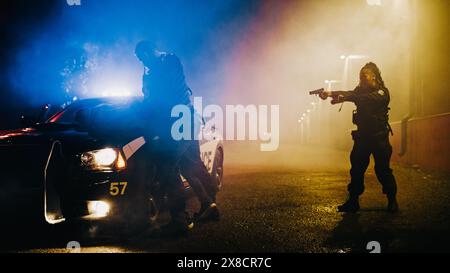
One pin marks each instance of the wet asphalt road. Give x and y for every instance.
(287, 209)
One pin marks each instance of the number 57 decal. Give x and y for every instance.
(117, 188)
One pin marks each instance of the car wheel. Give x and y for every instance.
(217, 172)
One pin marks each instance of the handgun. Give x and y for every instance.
(317, 92)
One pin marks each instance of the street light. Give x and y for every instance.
(354, 57)
(374, 2)
(347, 63)
(329, 84)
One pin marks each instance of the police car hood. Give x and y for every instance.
(73, 140)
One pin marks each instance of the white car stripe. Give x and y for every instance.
(133, 147)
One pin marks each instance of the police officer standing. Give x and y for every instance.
(164, 87)
(371, 137)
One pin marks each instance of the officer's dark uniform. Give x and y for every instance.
(164, 86)
(194, 170)
(372, 137)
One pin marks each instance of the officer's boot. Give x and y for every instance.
(392, 203)
(351, 205)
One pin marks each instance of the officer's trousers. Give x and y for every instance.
(193, 169)
(166, 153)
(381, 149)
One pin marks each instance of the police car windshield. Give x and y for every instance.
(109, 117)
(65, 116)
(84, 109)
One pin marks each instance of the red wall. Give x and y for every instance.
(428, 142)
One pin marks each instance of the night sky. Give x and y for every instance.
(40, 38)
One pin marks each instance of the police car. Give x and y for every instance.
(88, 162)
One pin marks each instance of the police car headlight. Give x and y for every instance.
(104, 159)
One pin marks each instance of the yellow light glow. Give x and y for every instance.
(98, 208)
(105, 157)
(121, 163)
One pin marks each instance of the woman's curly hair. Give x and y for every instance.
(374, 68)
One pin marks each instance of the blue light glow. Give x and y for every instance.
(88, 50)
